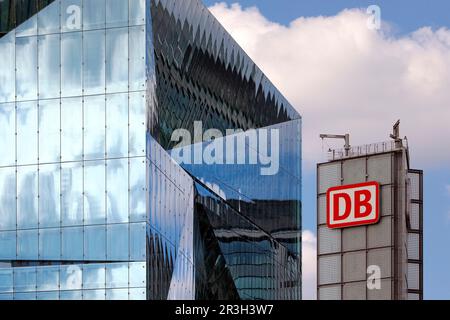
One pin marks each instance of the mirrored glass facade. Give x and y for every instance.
(73, 221)
(92, 203)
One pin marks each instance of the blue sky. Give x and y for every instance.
(405, 17)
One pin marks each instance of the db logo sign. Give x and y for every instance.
(353, 205)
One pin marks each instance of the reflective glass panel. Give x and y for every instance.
(94, 192)
(27, 244)
(27, 28)
(137, 274)
(94, 127)
(137, 294)
(117, 275)
(117, 60)
(26, 68)
(71, 129)
(49, 131)
(47, 278)
(27, 197)
(94, 14)
(6, 280)
(95, 243)
(8, 245)
(94, 62)
(71, 64)
(72, 194)
(27, 138)
(137, 58)
(8, 198)
(94, 294)
(117, 242)
(117, 186)
(48, 19)
(72, 243)
(137, 130)
(50, 244)
(117, 13)
(25, 279)
(94, 276)
(117, 125)
(7, 71)
(138, 200)
(49, 196)
(71, 295)
(49, 66)
(47, 295)
(25, 296)
(117, 294)
(137, 12)
(70, 277)
(137, 241)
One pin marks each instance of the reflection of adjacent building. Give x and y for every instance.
(92, 206)
(259, 265)
(270, 207)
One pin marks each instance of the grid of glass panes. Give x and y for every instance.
(125, 280)
(73, 134)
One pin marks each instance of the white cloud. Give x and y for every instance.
(308, 265)
(343, 77)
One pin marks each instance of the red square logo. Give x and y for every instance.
(353, 205)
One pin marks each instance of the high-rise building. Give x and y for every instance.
(93, 204)
(370, 224)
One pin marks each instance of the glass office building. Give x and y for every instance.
(92, 203)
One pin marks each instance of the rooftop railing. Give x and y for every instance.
(363, 150)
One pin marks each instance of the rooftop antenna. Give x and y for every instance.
(396, 134)
(345, 137)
